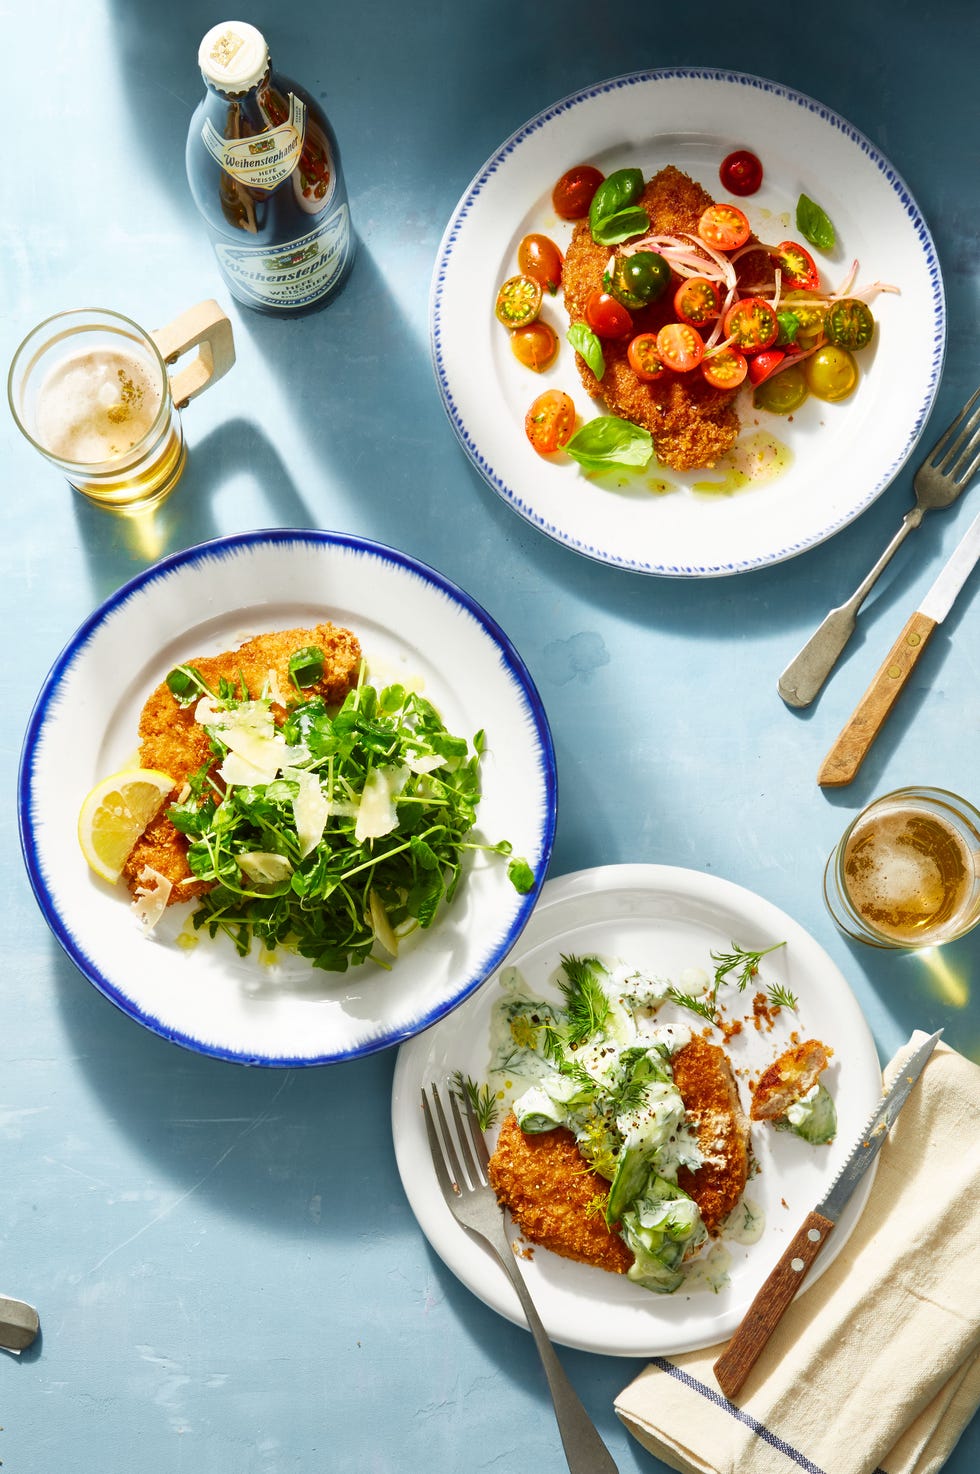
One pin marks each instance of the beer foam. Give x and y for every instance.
(96, 405)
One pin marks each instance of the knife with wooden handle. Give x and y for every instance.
(769, 1305)
(856, 736)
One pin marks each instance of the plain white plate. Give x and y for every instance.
(842, 456)
(660, 919)
(415, 626)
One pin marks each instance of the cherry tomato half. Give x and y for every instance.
(761, 365)
(540, 259)
(849, 324)
(724, 227)
(831, 373)
(782, 393)
(697, 301)
(797, 266)
(740, 173)
(572, 195)
(550, 421)
(752, 324)
(644, 359)
(518, 301)
(725, 369)
(606, 317)
(680, 347)
(535, 346)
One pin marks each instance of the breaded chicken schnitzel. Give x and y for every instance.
(550, 1190)
(691, 422)
(789, 1078)
(173, 742)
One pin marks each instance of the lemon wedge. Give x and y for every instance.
(114, 815)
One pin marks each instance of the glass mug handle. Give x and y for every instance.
(206, 328)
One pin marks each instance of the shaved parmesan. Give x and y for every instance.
(377, 814)
(311, 809)
(151, 897)
(264, 867)
(425, 762)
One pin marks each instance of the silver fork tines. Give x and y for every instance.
(460, 1159)
(943, 475)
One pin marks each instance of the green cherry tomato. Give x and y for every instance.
(831, 373)
(849, 324)
(518, 302)
(782, 393)
(639, 279)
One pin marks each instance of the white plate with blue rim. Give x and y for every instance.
(660, 920)
(414, 625)
(791, 482)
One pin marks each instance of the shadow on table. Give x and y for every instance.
(235, 459)
(300, 1152)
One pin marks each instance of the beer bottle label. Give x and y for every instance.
(293, 275)
(265, 159)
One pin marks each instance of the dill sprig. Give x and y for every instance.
(703, 1007)
(586, 1002)
(480, 1099)
(744, 964)
(781, 997)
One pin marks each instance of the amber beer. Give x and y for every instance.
(907, 871)
(264, 171)
(91, 390)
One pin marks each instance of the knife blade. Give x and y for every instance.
(856, 736)
(19, 1324)
(776, 1294)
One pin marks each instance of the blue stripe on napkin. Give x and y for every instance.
(720, 1400)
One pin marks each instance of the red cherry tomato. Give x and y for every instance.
(697, 301)
(752, 324)
(761, 365)
(606, 317)
(572, 195)
(540, 259)
(550, 421)
(726, 369)
(724, 227)
(535, 346)
(644, 359)
(797, 266)
(740, 173)
(679, 347)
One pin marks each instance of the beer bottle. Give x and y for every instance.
(264, 170)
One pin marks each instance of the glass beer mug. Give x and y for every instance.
(90, 389)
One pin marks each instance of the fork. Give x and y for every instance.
(937, 483)
(465, 1186)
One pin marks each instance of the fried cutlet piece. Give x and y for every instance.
(691, 422)
(707, 1085)
(788, 1078)
(546, 1183)
(171, 740)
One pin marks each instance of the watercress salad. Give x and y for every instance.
(359, 834)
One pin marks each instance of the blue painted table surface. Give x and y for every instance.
(227, 1271)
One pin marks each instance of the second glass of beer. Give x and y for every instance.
(906, 872)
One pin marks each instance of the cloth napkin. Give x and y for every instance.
(876, 1368)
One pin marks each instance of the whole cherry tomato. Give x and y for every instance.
(540, 259)
(741, 172)
(572, 195)
(606, 317)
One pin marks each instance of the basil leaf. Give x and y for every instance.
(612, 229)
(789, 326)
(609, 441)
(585, 343)
(616, 191)
(814, 223)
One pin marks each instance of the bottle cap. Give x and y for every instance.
(233, 56)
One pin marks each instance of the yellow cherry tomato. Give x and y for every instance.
(831, 373)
